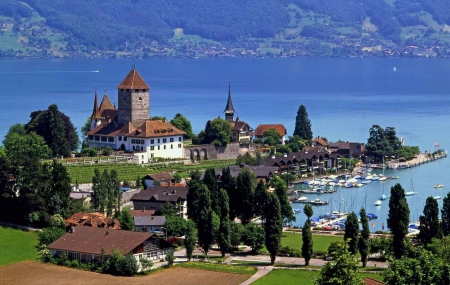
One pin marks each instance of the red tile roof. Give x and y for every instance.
(133, 81)
(92, 240)
(371, 281)
(106, 104)
(259, 131)
(96, 111)
(158, 128)
(142, 213)
(163, 176)
(95, 220)
(320, 141)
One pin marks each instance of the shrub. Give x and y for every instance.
(170, 258)
(74, 263)
(88, 152)
(106, 151)
(291, 252)
(126, 265)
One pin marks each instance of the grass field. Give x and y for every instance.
(303, 277)
(17, 245)
(219, 267)
(321, 243)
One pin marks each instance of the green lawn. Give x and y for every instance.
(17, 245)
(219, 267)
(321, 242)
(303, 277)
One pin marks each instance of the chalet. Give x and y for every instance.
(150, 179)
(93, 220)
(241, 131)
(129, 127)
(155, 198)
(319, 142)
(259, 131)
(85, 244)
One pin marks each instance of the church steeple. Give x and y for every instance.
(229, 109)
(95, 111)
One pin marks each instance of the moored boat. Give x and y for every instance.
(438, 186)
(378, 203)
(409, 193)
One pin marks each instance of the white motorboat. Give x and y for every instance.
(378, 203)
(383, 178)
(438, 186)
(437, 197)
(409, 193)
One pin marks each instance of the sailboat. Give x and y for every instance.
(395, 68)
(378, 203)
(412, 192)
(383, 197)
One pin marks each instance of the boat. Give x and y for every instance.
(382, 178)
(383, 197)
(375, 178)
(409, 193)
(378, 203)
(437, 197)
(438, 186)
(395, 68)
(358, 185)
(318, 202)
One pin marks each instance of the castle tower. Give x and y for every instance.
(229, 109)
(133, 99)
(95, 117)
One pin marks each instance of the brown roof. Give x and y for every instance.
(92, 240)
(163, 176)
(127, 129)
(133, 81)
(259, 131)
(96, 111)
(239, 125)
(157, 128)
(95, 220)
(167, 184)
(106, 104)
(142, 213)
(371, 281)
(320, 141)
(161, 194)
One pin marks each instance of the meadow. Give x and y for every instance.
(17, 245)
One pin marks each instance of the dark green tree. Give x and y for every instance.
(210, 180)
(59, 192)
(272, 137)
(352, 232)
(245, 185)
(126, 265)
(175, 226)
(343, 270)
(273, 226)
(191, 238)
(180, 122)
(260, 198)
(126, 220)
(429, 222)
(224, 228)
(168, 210)
(398, 219)
(217, 132)
(445, 215)
(205, 219)
(229, 184)
(364, 240)
(303, 124)
(253, 236)
(281, 192)
(307, 246)
(193, 197)
(20, 147)
(236, 234)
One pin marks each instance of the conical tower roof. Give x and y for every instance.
(133, 81)
(96, 111)
(229, 109)
(106, 104)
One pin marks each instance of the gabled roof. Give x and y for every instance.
(127, 128)
(371, 281)
(133, 81)
(142, 213)
(320, 141)
(95, 220)
(106, 104)
(239, 125)
(149, 221)
(157, 128)
(92, 240)
(229, 109)
(95, 111)
(163, 176)
(259, 131)
(161, 194)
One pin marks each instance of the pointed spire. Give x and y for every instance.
(95, 111)
(229, 109)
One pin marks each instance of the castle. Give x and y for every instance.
(129, 127)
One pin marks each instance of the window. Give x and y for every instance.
(142, 149)
(121, 89)
(133, 148)
(143, 90)
(179, 145)
(124, 98)
(171, 146)
(133, 140)
(179, 139)
(125, 139)
(159, 140)
(120, 138)
(110, 139)
(171, 139)
(136, 90)
(97, 138)
(164, 140)
(164, 147)
(159, 147)
(103, 139)
(152, 148)
(91, 138)
(142, 141)
(140, 98)
(152, 155)
(152, 141)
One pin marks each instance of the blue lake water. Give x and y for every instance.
(343, 97)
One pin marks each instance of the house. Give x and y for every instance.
(86, 244)
(319, 142)
(94, 220)
(348, 149)
(259, 131)
(142, 213)
(155, 198)
(129, 127)
(149, 224)
(150, 179)
(241, 132)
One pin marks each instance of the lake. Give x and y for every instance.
(344, 97)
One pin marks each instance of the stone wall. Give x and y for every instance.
(207, 151)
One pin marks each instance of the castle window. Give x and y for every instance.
(179, 139)
(159, 147)
(142, 149)
(133, 140)
(110, 139)
(91, 138)
(103, 139)
(152, 148)
(171, 146)
(97, 138)
(164, 140)
(179, 145)
(136, 90)
(120, 138)
(124, 98)
(142, 141)
(171, 139)
(152, 141)
(125, 139)
(140, 98)
(164, 147)
(121, 89)
(159, 140)
(152, 155)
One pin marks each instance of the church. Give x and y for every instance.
(129, 127)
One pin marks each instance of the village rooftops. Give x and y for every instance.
(94, 220)
(161, 194)
(92, 240)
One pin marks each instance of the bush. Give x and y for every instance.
(88, 152)
(170, 258)
(106, 151)
(291, 252)
(126, 265)
(74, 263)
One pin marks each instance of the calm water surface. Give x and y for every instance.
(343, 97)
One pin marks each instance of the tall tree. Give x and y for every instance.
(59, 195)
(210, 180)
(191, 238)
(343, 270)
(281, 192)
(445, 215)
(273, 226)
(205, 219)
(352, 232)
(253, 236)
(364, 240)
(429, 223)
(398, 219)
(260, 198)
(303, 124)
(56, 129)
(182, 123)
(224, 228)
(229, 184)
(245, 185)
(307, 246)
(193, 197)
(126, 220)
(20, 147)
